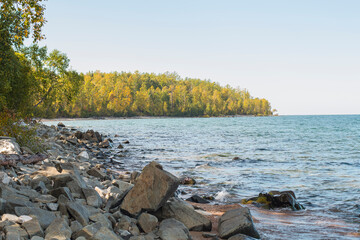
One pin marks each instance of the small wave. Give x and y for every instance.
(222, 196)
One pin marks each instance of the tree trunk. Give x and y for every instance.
(13, 159)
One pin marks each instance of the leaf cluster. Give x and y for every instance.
(22, 19)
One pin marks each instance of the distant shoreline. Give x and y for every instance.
(139, 117)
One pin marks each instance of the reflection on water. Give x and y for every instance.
(318, 157)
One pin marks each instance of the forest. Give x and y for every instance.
(38, 83)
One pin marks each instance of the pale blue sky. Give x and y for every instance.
(303, 56)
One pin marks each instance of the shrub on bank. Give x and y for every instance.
(23, 129)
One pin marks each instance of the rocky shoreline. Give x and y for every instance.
(72, 193)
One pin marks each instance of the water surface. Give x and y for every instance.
(318, 157)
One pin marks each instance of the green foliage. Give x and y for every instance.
(137, 94)
(55, 84)
(22, 129)
(22, 19)
(16, 77)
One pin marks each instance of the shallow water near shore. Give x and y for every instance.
(318, 157)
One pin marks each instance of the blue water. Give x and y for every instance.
(318, 157)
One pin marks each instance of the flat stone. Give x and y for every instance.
(147, 222)
(97, 173)
(15, 232)
(105, 233)
(152, 189)
(237, 221)
(59, 229)
(11, 199)
(44, 217)
(96, 231)
(75, 227)
(52, 206)
(33, 228)
(79, 212)
(172, 229)
(70, 177)
(84, 155)
(45, 199)
(101, 218)
(62, 191)
(10, 217)
(92, 197)
(4, 178)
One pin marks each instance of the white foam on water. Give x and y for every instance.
(222, 195)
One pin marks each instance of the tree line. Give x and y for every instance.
(41, 84)
(149, 94)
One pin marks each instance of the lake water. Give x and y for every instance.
(318, 157)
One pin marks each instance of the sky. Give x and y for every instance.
(303, 56)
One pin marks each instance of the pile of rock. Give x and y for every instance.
(70, 195)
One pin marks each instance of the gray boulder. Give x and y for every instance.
(152, 189)
(79, 212)
(147, 222)
(92, 197)
(172, 229)
(45, 217)
(101, 218)
(33, 228)
(185, 213)
(62, 191)
(9, 145)
(96, 232)
(95, 172)
(45, 199)
(58, 229)
(237, 221)
(15, 232)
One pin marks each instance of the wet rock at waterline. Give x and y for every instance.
(197, 199)
(185, 213)
(237, 221)
(152, 189)
(61, 125)
(275, 199)
(187, 181)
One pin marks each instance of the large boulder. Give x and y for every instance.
(185, 213)
(237, 221)
(152, 189)
(9, 146)
(172, 229)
